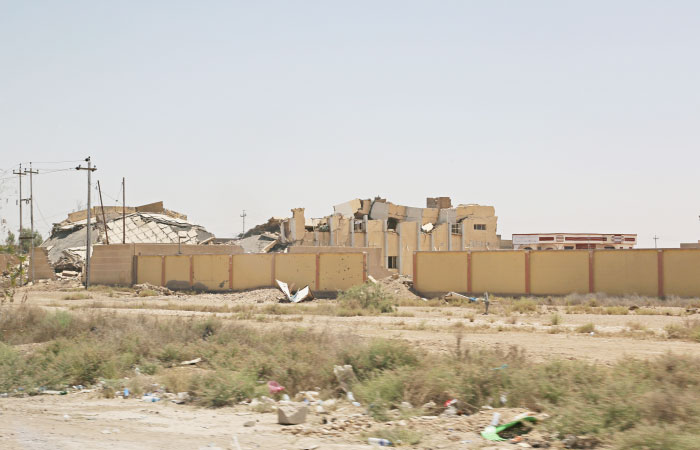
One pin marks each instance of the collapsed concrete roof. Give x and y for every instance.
(68, 238)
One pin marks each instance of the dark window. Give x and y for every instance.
(391, 224)
(480, 226)
(359, 226)
(456, 228)
(393, 262)
(568, 247)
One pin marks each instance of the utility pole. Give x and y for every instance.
(123, 211)
(20, 174)
(656, 238)
(89, 169)
(102, 206)
(31, 214)
(243, 216)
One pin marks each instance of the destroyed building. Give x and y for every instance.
(147, 224)
(396, 230)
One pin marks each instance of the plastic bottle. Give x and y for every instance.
(380, 442)
(496, 418)
(126, 392)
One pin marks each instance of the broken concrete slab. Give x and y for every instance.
(292, 414)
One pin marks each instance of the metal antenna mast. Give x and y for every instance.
(89, 169)
(243, 217)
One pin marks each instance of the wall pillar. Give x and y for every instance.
(330, 229)
(591, 281)
(660, 266)
(432, 241)
(463, 241)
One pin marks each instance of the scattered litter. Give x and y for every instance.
(345, 376)
(66, 417)
(372, 279)
(380, 442)
(150, 398)
(191, 362)
(456, 296)
(235, 442)
(274, 387)
(492, 431)
(291, 414)
(428, 227)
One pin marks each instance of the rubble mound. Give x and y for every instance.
(400, 286)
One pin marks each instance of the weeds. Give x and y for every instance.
(77, 296)
(366, 297)
(689, 330)
(586, 328)
(629, 404)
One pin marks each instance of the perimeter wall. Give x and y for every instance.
(648, 272)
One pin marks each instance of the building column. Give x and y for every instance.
(399, 255)
(462, 242)
(432, 240)
(352, 232)
(316, 243)
(418, 236)
(364, 224)
(386, 244)
(330, 229)
(449, 235)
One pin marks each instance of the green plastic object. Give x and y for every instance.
(491, 433)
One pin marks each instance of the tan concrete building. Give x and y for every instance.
(573, 241)
(397, 230)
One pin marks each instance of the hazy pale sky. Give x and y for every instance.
(566, 116)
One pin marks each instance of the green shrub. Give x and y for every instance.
(586, 328)
(224, 388)
(368, 296)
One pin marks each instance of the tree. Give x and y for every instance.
(10, 239)
(26, 242)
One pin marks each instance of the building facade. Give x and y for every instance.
(397, 230)
(573, 241)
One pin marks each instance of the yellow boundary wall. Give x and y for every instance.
(322, 272)
(649, 272)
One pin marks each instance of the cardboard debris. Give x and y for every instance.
(301, 295)
(191, 362)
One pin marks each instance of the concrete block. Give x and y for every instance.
(292, 414)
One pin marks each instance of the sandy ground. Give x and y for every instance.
(86, 421)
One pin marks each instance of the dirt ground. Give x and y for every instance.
(87, 421)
